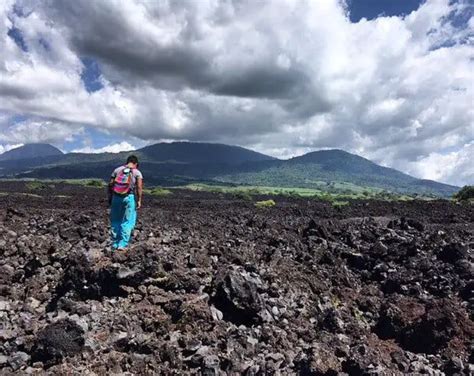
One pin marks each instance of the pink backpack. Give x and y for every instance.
(123, 181)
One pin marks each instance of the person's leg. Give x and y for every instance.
(116, 216)
(128, 221)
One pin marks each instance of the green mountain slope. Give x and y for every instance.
(183, 162)
(317, 169)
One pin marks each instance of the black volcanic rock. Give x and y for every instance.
(213, 285)
(58, 340)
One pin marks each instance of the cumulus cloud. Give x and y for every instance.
(455, 167)
(37, 131)
(282, 77)
(112, 148)
(7, 147)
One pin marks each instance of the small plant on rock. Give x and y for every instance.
(158, 191)
(265, 204)
(36, 185)
(246, 196)
(340, 204)
(95, 183)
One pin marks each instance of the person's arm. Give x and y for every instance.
(110, 190)
(139, 192)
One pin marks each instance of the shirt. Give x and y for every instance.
(136, 175)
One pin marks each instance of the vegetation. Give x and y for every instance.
(38, 185)
(465, 194)
(158, 191)
(95, 183)
(265, 204)
(340, 204)
(246, 196)
(333, 171)
(342, 192)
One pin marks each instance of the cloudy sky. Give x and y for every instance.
(390, 80)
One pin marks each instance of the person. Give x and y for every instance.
(125, 191)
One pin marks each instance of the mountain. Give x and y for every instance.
(336, 169)
(30, 151)
(181, 163)
(189, 152)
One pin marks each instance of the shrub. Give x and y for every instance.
(265, 204)
(95, 183)
(465, 194)
(246, 196)
(340, 204)
(158, 191)
(37, 185)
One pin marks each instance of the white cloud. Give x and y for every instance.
(7, 147)
(112, 148)
(38, 131)
(284, 77)
(456, 167)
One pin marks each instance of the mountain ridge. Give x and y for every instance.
(180, 163)
(27, 151)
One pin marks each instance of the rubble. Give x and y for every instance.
(213, 286)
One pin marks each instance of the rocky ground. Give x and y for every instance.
(214, 286)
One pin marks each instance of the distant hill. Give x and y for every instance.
(188, 152)
(180, 163)
(317, 169)
(30, 151)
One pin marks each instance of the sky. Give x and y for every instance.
(390, 80)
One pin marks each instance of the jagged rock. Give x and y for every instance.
(237, 296)
(18, 360)
(373, 288)
(58, 340)
(453, 252)
(4, 306)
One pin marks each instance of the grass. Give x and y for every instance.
(158, 191)
(246, 196)
(94, 183)
(351, 192)
(38, 185)
(265, 204)
(336, 193)
(50, 183)
(246, 192)
(340, 204)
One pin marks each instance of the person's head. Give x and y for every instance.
(133, 161)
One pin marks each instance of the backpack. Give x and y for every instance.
(123, 181)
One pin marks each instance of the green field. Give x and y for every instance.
(341, 193)
(336, 192)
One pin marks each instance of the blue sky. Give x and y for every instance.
(283, 78)
(371, 9)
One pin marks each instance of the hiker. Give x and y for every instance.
(125, 198)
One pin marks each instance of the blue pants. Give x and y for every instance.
(123, 216)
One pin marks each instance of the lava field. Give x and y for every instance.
(214, 286)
